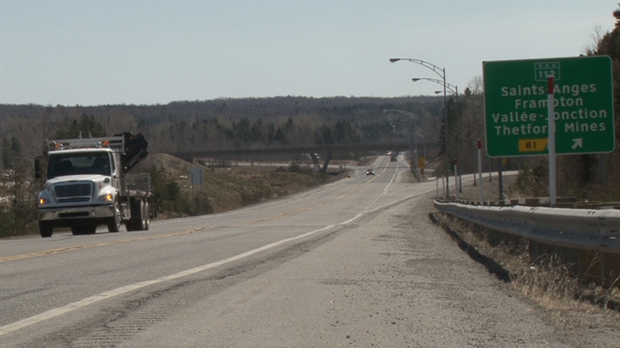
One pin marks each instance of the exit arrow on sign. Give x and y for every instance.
(577, 143)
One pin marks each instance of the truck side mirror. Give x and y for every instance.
(37, 168)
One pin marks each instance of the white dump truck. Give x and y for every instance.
(87, 184)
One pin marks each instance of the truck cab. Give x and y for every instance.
(87, 185)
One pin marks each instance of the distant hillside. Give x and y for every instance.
(221, 123)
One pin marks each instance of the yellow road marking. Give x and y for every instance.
(87, 246)
(95, 245)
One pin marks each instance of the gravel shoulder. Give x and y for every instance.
(393, 279)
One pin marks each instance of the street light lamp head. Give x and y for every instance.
(415, 79)
(394, 60)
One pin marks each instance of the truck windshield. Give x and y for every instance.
(78, 163)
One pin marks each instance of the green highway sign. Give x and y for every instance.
(516, 113)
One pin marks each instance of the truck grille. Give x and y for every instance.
(74, 192)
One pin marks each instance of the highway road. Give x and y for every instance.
(354, 263)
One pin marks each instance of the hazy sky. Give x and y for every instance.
(92, 52)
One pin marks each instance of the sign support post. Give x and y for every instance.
(480, 167)
(551, 141)
(456, 180)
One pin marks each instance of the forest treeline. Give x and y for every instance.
(220, 124)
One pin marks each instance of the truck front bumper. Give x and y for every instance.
(76, 212)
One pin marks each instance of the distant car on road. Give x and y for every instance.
(370, 172)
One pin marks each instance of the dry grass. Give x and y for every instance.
(228, 186)
(544, 281)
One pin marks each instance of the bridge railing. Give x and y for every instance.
(296, 150)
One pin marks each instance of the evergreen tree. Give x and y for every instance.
(87, 126)
(11, 152)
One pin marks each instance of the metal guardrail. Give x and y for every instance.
(590, 229)
(561, 202)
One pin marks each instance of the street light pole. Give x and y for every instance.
(455, 90)
(442, 73)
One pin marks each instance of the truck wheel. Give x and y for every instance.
(135, 222)
(147, 215)
(114, 223)
(46, 229)
(142, 216)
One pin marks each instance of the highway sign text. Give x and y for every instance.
(516, 104)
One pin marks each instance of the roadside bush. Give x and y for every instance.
(19, 214)
(7, 224)
(173, 200)
(532, 181)
(168, 194)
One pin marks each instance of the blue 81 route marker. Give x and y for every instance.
(516, 120)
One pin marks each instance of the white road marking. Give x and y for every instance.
(125, 289)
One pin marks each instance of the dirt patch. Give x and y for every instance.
(168, 162)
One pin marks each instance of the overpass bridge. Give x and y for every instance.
(326, 151)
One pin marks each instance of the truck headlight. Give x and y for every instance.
(46, 197)
(108, 197)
